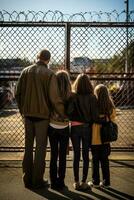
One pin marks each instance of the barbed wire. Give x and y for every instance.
(58, 16)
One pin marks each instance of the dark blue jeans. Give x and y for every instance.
(100, 155)
(81, 135)
(59, 139)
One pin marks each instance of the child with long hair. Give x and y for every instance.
(82, 112)
(59, 135)
(100, 152)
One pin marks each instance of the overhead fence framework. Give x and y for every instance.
(99, 44)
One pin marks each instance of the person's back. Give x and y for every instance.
(59, 135)
(100, 151)
(82, 108)
(106, 108)
(36, 94)
(82, 111)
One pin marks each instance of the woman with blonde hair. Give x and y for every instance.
(82, 112)
(100, 152)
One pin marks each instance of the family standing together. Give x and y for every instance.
(54, 108)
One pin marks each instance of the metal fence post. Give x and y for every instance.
(67, 46)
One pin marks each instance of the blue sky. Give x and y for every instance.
(65, 6)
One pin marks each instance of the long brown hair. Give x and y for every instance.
(82, 85)
(64, 84)
(105, 101)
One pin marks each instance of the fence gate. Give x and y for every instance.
(104, 50)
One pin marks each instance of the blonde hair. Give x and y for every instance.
(105, 101)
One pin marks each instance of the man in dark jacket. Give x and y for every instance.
(36, 95)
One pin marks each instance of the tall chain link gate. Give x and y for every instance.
(104, 50)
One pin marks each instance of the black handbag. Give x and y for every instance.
(109, 131)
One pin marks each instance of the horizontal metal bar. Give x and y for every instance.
(63, 24)
(91, 78)
(32, 24)
(101, 24)
(114, 149)
(72, 73)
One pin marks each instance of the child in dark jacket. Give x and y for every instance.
(82, 111)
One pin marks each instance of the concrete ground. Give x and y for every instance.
(122, 180)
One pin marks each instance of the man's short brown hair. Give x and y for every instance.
(44, 55)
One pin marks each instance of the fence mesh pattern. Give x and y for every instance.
(104, 50)
(105, 46)
(12, 127)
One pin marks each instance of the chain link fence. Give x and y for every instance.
(81, 42)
